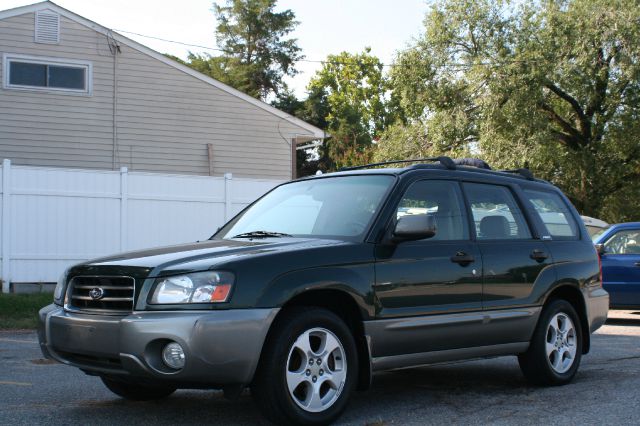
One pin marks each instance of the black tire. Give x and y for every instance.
(134, 391)
(269, 388)
(536, 365)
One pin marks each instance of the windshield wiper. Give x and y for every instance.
(261, 234)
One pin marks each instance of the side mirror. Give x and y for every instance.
(600, 249)
(414, 227)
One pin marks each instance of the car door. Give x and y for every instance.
(512, 260)
(621, 267)
(439, 275)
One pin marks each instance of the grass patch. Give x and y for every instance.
(20, 311)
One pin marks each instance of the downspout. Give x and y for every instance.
(114, 47)
(115, 109)
(294, 159)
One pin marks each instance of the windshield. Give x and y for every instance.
(596, 232)
(336, 207)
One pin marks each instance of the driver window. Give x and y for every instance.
(624, 242)
(441, 199)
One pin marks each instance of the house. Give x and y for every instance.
(75, 94)
(110, 146)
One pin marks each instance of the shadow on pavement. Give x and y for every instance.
(458, 392)
(623, 321)
(183, 407)
(455, 386)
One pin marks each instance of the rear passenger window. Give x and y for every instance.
(441, 199)
(554, 213)
(496, 214)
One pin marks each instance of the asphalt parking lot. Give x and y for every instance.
(34, 391)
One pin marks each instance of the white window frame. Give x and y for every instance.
(7, 58)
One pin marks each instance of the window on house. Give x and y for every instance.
(32, 73)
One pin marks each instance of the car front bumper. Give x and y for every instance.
(221, 347)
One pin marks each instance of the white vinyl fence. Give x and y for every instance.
(52, 217)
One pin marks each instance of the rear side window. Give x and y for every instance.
(554, 213)
(496, 214)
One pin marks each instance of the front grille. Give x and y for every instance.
(114, 294)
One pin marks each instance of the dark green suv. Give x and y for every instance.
(325, 280)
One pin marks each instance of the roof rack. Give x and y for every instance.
(525, 173)
(445, 161)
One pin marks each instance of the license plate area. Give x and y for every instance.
(86, 336)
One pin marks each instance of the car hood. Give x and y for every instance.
(197, 256)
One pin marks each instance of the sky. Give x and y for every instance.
(326, 26)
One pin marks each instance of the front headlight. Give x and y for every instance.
(58, 293)
(199, 287)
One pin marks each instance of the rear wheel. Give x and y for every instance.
(135, 391)
(555, 351)
(308, 369)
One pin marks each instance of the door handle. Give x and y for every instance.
(538, 255)
(462, 258)
(637, 264)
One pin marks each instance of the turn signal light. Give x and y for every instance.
(221, 293)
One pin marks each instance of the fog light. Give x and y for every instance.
(173, 356)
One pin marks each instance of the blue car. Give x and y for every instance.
(619, 248)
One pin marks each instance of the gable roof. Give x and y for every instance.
(315, 133)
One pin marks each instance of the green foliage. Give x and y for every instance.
(20, 311)
(256, 51)
(349, 97)
(313, 112)
(220, 68)
(551, 84)
(257, 54)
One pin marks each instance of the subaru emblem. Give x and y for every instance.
(96, 293)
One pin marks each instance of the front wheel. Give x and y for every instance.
(135, 391)
(555, 351)
(308, 369)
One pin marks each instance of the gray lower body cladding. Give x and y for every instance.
(221, 347)
(405, 338)
(405, 342)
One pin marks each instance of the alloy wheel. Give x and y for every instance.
(561, 343)
(316, 370)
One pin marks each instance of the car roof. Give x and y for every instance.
(459, 169)
(625, 225)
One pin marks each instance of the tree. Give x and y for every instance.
(553, 84)
(307, 160)
(256, 51)
(216, 67)
(348, 96)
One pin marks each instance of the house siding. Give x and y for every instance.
(164, 117)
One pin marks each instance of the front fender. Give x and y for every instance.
(355, 280)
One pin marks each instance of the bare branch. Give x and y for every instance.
(602, 83)
(569, 130)
(584, 123)
(565, 139)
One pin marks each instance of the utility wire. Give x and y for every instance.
(223, 51)
(170, 41)
(452, 64)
